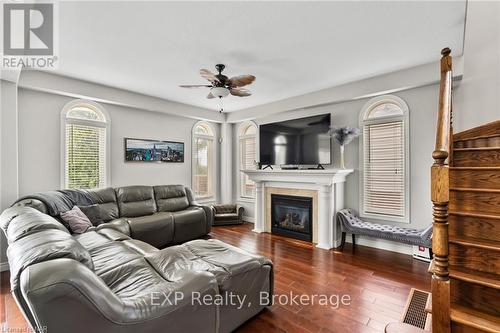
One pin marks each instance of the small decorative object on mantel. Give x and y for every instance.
(344, 135)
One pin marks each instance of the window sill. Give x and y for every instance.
(205, 200)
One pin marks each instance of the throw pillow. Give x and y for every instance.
(77, 220)
(93, 212)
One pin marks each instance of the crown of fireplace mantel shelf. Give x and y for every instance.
(321, 177)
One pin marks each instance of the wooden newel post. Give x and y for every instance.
(440, 196)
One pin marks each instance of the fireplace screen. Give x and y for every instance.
(292, 216)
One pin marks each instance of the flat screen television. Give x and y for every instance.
(304, 141)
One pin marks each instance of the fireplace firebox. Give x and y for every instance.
(291, 216)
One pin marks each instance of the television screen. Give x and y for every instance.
(141, 150)
(304, 141)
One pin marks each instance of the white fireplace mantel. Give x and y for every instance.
(315, 176)
(328, 183)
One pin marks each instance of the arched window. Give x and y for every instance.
(203, 161)
(384, 156)
(247, 147)
(85, 133)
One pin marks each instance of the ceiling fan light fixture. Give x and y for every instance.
(219, 92)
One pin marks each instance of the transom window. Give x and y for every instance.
(203, 161)
(385, 160)
(85, 152)
(247, 138)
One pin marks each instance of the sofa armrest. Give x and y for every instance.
(90, 306)
(34, 203)
(209, 214)
(121, 225)
(191, 197)
(209, 211)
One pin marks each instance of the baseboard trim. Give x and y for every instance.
(248, 219)
(4, 266)
(382, 244)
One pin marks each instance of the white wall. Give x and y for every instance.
(40, 146)
(477, 99)
(422, 103)
(8, 153)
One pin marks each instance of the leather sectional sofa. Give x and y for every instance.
(158, 215)
(115, 277)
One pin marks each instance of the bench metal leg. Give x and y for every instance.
(342, 242)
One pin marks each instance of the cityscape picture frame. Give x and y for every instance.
(148, 150)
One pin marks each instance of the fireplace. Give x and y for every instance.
(291, 216)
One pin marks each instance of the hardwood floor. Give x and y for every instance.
(377, 281)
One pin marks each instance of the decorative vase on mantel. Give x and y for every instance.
(342, 157)
(344, 135)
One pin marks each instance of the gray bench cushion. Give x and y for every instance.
(352, 224)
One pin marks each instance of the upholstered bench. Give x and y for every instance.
(350, 223)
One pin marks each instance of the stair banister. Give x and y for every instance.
(440, 285)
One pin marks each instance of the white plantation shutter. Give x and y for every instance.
(384, 174)
(85, 146)
(247, 135)
(247, 158)
(385, 161)
(85, 156)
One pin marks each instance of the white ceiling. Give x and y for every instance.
(291, 47)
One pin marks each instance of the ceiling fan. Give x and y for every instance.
(221, 86)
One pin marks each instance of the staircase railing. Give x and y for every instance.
(440, 285)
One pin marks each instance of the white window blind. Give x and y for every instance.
(85, 156)
(384, 169)
(247, 158)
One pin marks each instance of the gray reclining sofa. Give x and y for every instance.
(158, 215)
(114, 278)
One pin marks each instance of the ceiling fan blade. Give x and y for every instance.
(210, 96)
(240, 92)
(205, 73)
(241, 80)
(195, 86)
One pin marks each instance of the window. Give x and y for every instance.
(247, 140)
(203, 161)
(384, 155)
(85, 131)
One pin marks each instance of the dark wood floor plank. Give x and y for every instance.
(377, 281)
